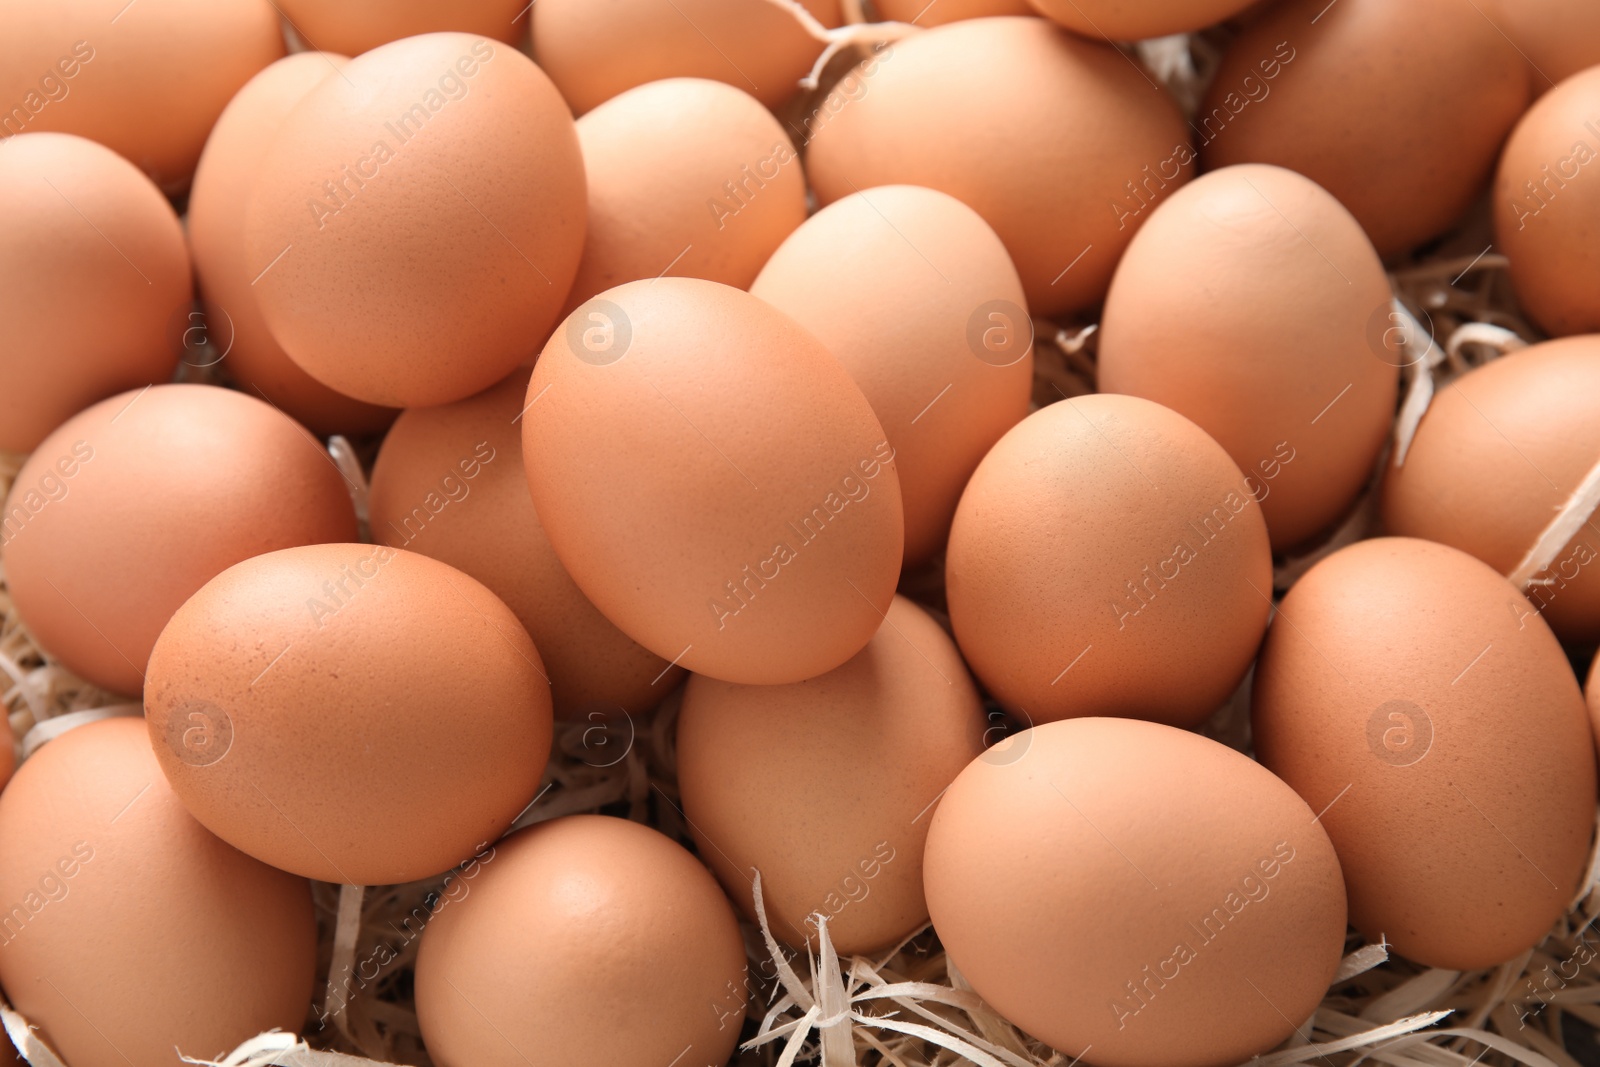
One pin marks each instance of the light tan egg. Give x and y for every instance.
(1402, 696)
(352, 713)
(131, 506)
(1247, 303)
(827, 786)
(131, 934)
(714, 481)
(585, 941)
(449, 483)
(418, 220)
(232, 323)
(1134, 894)
(94, 278)
(1062, 145)
(913, 292)
(1558, 38)
(688, 178)
(1107, 558)
(1135, 20)
(1405, 146)
(596, 51)
(928, 13)
(355, 26)
(145, 79)
(1547, 215)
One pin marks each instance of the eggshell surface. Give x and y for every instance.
(132, 934)
(1499, 453)
(469, 144)
(1273, 354)
(826, 786)
(232, 322)
(449, 483)
(1135, 20)
(95, 274)
(689, 178)
(1405, 146)
(1077, 144)
(1546, 217)
(1136, 893)
(587, 941)
(353, 713)
(913, 292)
(134, 504)
(1404, 695)
(714, 481)
(147, 80)
(1558, 37)
(928, 13)
(1107, 558)
(356, 26)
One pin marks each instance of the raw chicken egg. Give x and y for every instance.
(1439, 731)
(356, 26)
(132, 505)
(352, 713)
(1108, 558)
(927, 13)
(714, 481)
(913, 292)
(1135, 20)
(96, 277)
(418, 220)
(1557, 37)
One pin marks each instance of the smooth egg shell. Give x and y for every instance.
(356, 26)
(928, 13)
(1558, 37)
(1135, 20)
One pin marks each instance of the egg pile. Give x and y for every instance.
(940, 424)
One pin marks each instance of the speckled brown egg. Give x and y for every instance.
(356, 26)
(1402, 696)
(596, 51)
(95, 275)
(1558, 38)
(353, 713)
(132, 505)
(827, 786)
(1134, 894)
(913, 292)
(1397, 110)
(1135, 20)
(449, 483)
(1107, 558)
(238, 336)
(1064, 151)
(1546, 215)
(714, 481)
(1246, 303)
(586, 941)
(145, 79)
(688, 178)
(928, 13)
(418, 220)
(1499, 453)
(132, 934)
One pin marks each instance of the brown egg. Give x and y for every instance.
(1135, 20)
(1592, 693)
(689, 178)
(827, 12)
(714, 481)
(232, 321)
(595, 51)
(1246, 303)
(1401, 695)
(586, 941)
(132, 935)
(95, 276)
(825, 786)
(1558, 38)
(912, 291)
(1406, 146)
(1544, 213)
(1497, 456)
(352, 713)
(928, 13)
(356, 26)
(134, 504)
(145, 79)
(1063, 151)
(1136, 894)
(418, 220)
(449, 483)
(1107, 558)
